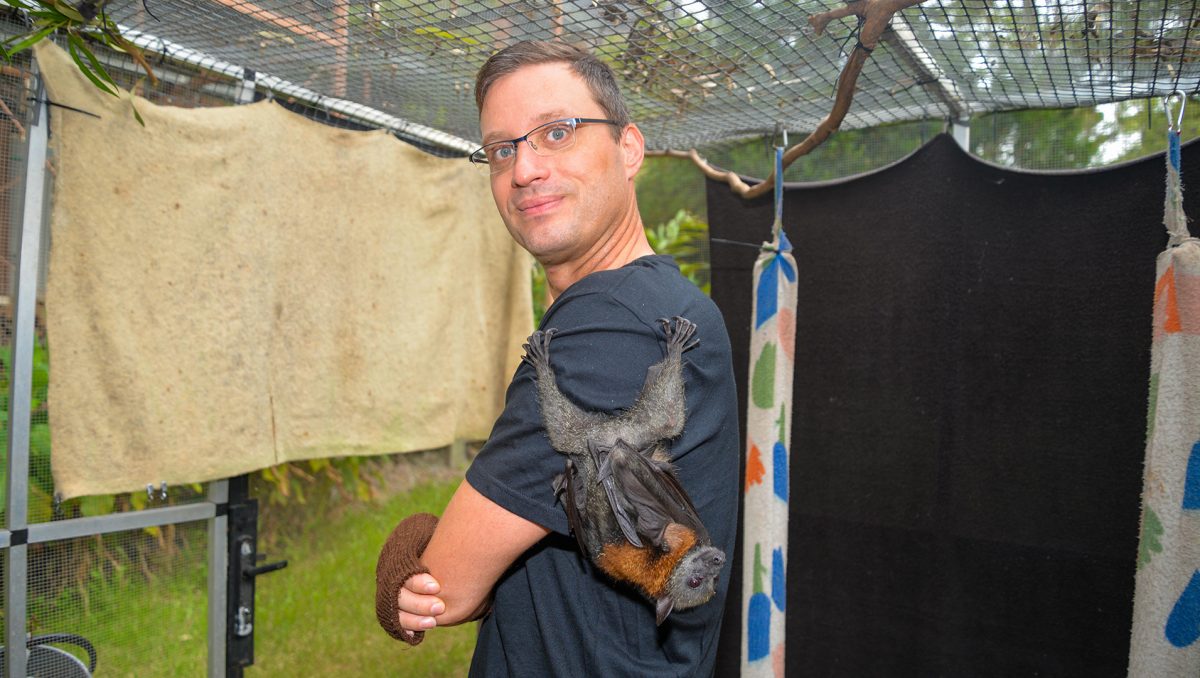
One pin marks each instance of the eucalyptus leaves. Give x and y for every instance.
(82, 23)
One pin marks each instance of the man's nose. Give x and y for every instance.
(528, 166)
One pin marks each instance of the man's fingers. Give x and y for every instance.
(422, 583)
(414, 622)
(419, 604)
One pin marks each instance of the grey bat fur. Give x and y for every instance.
(624, 503)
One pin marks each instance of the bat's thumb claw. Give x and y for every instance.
(662, 608)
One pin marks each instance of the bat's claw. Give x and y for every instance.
(679, 331)
(537, 348)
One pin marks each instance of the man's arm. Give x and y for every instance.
(476, 540)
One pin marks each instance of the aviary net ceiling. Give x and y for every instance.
(700, 71)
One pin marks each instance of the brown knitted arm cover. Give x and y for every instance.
(399, 560)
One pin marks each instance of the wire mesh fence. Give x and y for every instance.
(728, 77)
(135, 598)
(698, 71)
(95, 599)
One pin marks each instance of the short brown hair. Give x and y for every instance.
(599, 77)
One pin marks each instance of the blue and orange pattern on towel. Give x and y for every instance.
(768, 428)
(1166, 609)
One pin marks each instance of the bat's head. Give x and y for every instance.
(694, 580)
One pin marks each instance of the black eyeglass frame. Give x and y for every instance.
(479, 155)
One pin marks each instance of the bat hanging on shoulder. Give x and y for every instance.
(624, 504)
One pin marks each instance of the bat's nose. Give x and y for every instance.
(713, 557)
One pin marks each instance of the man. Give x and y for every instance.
(562, 156)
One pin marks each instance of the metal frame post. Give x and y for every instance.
(961, 131)
(218, 571)
(20, 390)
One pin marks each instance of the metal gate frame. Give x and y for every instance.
(230, 513)
(18, 534)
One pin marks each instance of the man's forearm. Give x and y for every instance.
(474, 544)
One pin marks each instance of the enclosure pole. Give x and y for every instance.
(218, 572)
(20, 390)
(929, 73)
(961, 131)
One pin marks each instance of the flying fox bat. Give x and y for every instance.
(624, 504)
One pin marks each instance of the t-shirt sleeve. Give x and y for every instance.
(600, 355)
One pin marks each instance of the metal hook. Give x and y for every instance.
(1175, 123)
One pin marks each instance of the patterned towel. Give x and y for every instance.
(768, 422)
(1166, 608)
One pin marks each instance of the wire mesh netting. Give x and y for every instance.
(699, 71)
(14, 93)
(179, 86)
(122, 596)
(728, 77)
(136, 598)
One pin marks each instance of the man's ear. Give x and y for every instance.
(633, 146)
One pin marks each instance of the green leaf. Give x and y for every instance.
(39, 442)
(97, 67)
(69, 11)
(136, 116)
(97, 505)
(41, 378)
(29, 40)
(74, 47)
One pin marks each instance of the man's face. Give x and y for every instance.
(562, 207)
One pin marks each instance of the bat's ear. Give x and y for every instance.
(663, 607)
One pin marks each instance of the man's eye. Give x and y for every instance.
(557, 135)
(500, 153)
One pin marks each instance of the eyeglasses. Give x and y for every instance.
(548, 139)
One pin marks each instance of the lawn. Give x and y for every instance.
(316, 617)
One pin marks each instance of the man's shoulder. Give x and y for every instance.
(647, 288)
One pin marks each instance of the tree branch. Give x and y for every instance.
(875, 14)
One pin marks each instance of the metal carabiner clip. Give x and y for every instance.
(1175, 122)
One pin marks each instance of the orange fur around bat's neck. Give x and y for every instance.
(647, 567)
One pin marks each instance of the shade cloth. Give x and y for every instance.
(968, 424)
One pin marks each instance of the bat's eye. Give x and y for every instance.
(695, 582)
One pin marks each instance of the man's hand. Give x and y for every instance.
(475, 542)
(467, 551)
(418, 605)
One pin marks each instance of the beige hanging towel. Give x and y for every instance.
(231, 288)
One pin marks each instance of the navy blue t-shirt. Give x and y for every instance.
(554, 614)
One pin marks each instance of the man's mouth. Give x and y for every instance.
(534, 206)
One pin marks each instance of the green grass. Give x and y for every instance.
(316, 617)
(137, 629)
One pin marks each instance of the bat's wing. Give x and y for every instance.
(565, 483)
(621, 508)
(646, 497)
